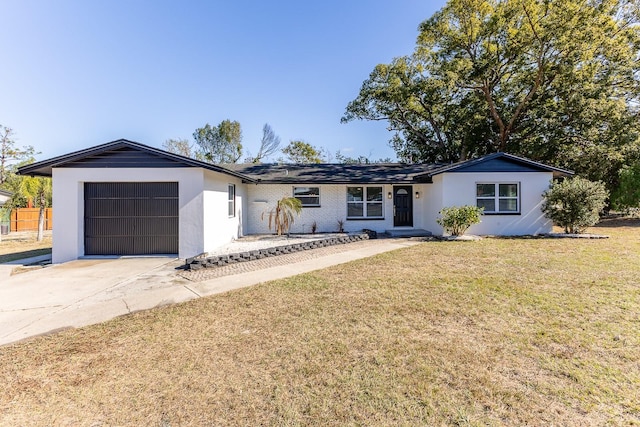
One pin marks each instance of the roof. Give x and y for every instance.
(499, 162)
(5, 193)
(331, 173)
(122, 153)
(386, 173)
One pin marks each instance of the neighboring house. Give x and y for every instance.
(4, 197)
(126, 198)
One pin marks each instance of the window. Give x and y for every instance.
(364, 202)
(232, 200)
(308, 196)
(498, 197)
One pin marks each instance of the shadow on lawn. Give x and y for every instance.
(24, 254)
(618, 221)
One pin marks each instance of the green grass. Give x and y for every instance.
(495, 332)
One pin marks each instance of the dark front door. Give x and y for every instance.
(130, 218)
(402, 206)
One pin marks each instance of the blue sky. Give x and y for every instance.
(80, 73)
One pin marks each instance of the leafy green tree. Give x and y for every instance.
(269, 145)
(303, 152)
(555, 81)
(38, 189)
(627, 194)
(10, 154)
(431, 120)
(575, 204)
(219, 144)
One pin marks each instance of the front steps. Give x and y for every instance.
(408, 232)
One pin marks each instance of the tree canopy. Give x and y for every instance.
(303, 152)
(219, 144)
(180, 146)
(360, 160)
(10, 154)
(556, 81)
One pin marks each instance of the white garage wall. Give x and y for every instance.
(333, 207)
(68, 200)
(219, 227)
(459, 189)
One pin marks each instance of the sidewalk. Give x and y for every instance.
(85, 292)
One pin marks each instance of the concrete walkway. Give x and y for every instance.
(85, 292)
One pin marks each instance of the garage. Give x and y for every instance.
(130, 218)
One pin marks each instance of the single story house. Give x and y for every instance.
(126, 198)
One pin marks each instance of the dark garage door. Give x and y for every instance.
(130, 218)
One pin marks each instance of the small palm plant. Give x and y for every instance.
(282, 215)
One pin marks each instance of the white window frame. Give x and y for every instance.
(365, 202)
(231, 198)
(307, 205)
(497, 198)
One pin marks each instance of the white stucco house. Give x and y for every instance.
(126, 198)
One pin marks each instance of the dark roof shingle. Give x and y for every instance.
(329, 173)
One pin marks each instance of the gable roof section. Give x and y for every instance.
(499, 162)
(331, 173)
(122, 153)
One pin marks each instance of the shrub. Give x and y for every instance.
(575, 204)
(457, 219)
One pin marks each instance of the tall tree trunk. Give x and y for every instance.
(40, 224)
(42, 202)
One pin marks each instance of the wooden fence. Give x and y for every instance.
(26, 219)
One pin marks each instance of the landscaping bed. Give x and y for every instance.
(274, 247)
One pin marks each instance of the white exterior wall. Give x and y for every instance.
(204, 223)
(333, 207)
(219, 227)
(457, 189)
(433, 204)
(68, 199)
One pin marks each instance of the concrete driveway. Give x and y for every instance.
(83, 292)
(89, 291)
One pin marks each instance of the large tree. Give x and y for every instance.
(39, 190)
(219, 144)
(10, 154)
(557, 81)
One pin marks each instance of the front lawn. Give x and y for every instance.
(497, 332)
(23, 245)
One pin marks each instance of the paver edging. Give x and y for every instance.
(198, 263)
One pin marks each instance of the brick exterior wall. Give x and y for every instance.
(333, 207)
